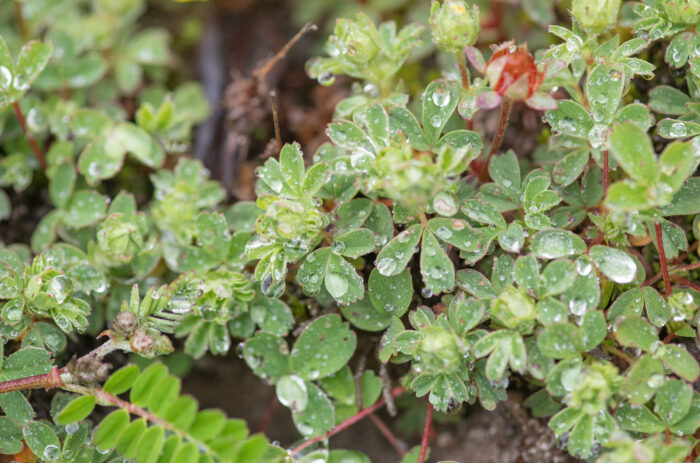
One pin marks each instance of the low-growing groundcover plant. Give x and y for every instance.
(410, 235)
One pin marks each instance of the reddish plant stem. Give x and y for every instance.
(606, 174)
(426, 433)
(345, 424)
(682, 268)
(687, 283)
(669, 337)
(269, 414)
(506, 106)
(386, 432)
(47, 381)
(662, 257)
(38, 152)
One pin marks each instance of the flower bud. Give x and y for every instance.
(124, 323)
(514, 309)
(355, 39)
(454, 25)
(596, 15)
(438, 350)
(512, 72)
(682, 11)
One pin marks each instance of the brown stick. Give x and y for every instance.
(38, 152)
(426, 433)
(345, 424)
(662, 257)
(260, 72)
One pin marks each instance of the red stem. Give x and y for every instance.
(662, 257)
(386, 432)
(426, 433)
(687, 283)
(346, 424)
(47, 381)
(38, 152)
(498, 137)
(606, 173)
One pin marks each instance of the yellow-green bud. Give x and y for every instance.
(454, 25)
(682, 11)
(514, 309)
(355, 39)
(438, 350)
(596, 15)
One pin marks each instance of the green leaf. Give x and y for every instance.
(77, 410)
(505, 171)
(110, 428)
(559, 341)
(394, 257)
(550, 311)
(354, 243)
(676, 128)
(390, 294)
(377, 122)
(10, 436)
(476, 284)
(615, 264)
(656, 307)
(668, 100)
(312, 271)
(121, 380)
(483, 212)
(447, 393)
(314, 179)
(677, 162)
(207, 424)
(84, 208)
(556, 277)
(145, 383)
(402, 120)
(292, 166)
(553, 244)
(637, 418)
(271, 315)
(318, 415)
(593, 330)
(684, 201)
(150, 445)
(643, 379)
(32, 59)
(626, 196)
(364, 316)
(28, 361)
(581, 437)
(42, 440)
(570, 167)
(635, 332)
(604, 91)
(181, 412)
(61, 184)
(456, 232)
(439, 102)
(100, 160)
(679, 361)
(311, 363)
(672, 400)
(570, 118)
(512, 238)
(631, 147)
(267, 355)
(350, 136)
(292, 393)
(342, 282)
(435, 266)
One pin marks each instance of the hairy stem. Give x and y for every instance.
(616, 352)
(426, 433)
(38, 152)
(498, 137)
(19, 14)
(47, 381)
(345, 424)
(52, 378)
(662, 257)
